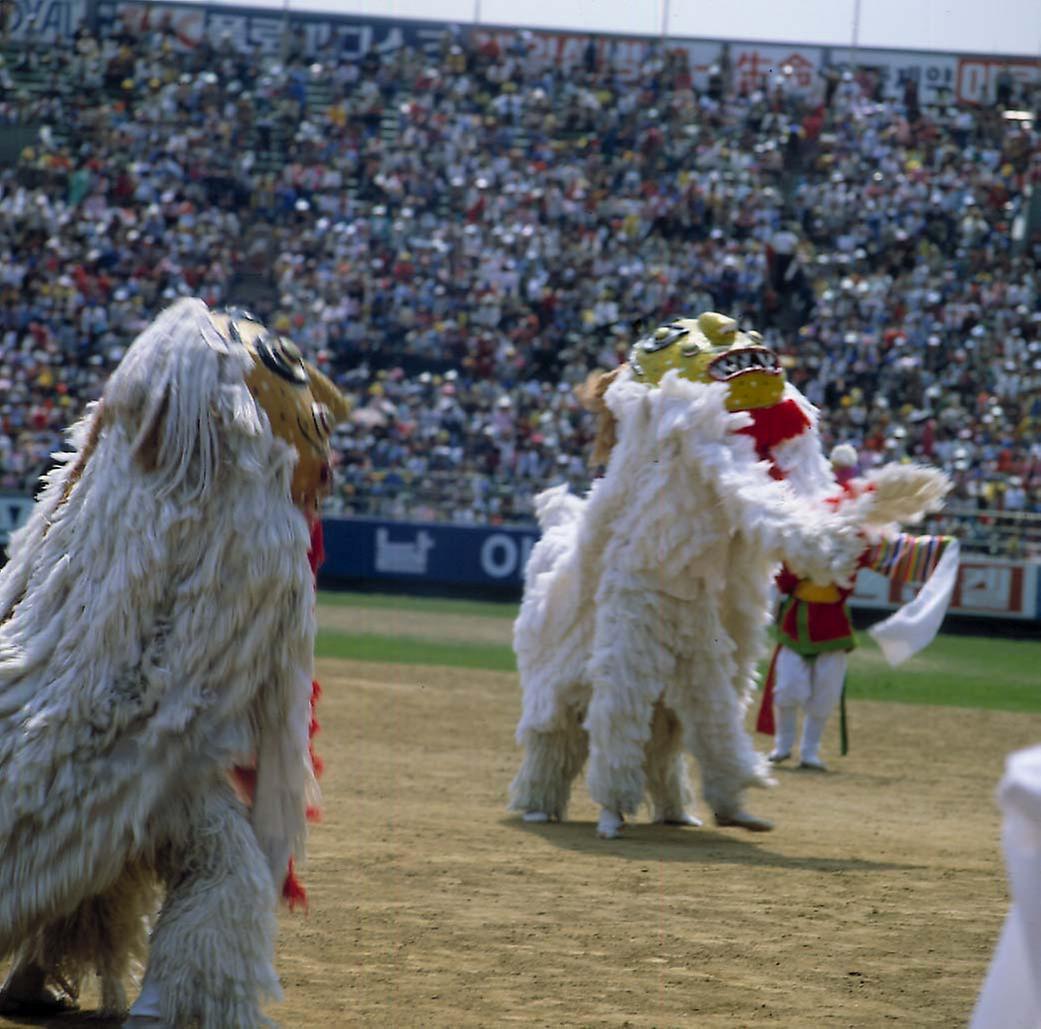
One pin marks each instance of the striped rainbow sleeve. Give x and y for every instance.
(906, 558)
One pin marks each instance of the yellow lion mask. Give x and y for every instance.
(710, 348)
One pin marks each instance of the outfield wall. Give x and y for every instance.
(427, 557)
(422, 556)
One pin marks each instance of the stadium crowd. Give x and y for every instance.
(459, 236)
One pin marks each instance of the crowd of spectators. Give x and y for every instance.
(458, 236)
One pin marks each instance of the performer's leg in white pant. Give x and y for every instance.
(793, 681)
(828, 675)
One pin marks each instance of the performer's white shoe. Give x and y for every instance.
(535, 816)
(144, 1012)
(610, 825)
(683, 818)
(777, 756)
(743, 820)
(813, 764)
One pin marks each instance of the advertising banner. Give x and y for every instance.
(796, 68)
(423, 553)
(44, 21)
(488, 556)
(350, 37)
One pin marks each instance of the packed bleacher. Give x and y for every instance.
(459, 237)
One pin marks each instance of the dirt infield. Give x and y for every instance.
(877, 901)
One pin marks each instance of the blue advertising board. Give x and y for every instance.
(15, 508)
(424, 553)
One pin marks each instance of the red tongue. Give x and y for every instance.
(773, 425)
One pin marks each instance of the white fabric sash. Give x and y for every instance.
(915, 625)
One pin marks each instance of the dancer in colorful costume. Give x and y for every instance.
(814, 632)
(645, 603)
(156, 631)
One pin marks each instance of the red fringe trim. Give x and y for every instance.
(293, 891)
(765, 721)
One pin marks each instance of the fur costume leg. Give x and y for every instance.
(28, 989)
(713, 722)
(148, 1008)
(629, 671)
(106, 934)
(667, 781)
(552, 760)
(213, 946)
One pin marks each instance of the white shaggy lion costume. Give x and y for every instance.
(646, 602)
(156, 630)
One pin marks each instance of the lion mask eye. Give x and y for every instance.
(664, 336)
(282, 356)
(323, 420)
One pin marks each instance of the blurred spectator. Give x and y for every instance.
(459, 236)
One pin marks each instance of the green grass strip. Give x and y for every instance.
(433, 605)
(408, 650)
(955, 671)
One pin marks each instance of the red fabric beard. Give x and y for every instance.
(773, 425)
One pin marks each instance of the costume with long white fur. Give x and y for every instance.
(645, 605)
(157, 627)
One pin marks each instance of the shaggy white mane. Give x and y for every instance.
(801, 458)
(156, 625)
(900, 494)
(654, 589)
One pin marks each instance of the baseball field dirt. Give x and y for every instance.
(876, 901)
